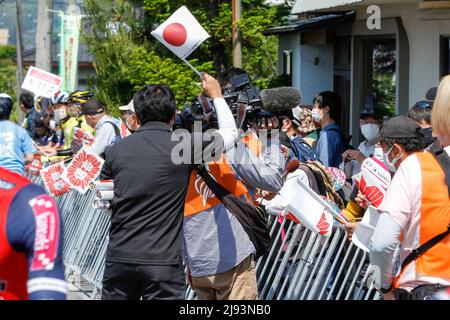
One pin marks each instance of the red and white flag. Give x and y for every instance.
(181, 33)
(306, 207)
(34, 167)
(84, 169)
(52, 177)
(373, 180)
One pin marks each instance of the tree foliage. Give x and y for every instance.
(127, 57)
(8, 70)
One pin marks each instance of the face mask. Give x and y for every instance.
(428, 138)
(52, 124)
(378, 153)
(316, 115)
(60, 114)
(370, 131)
(391, 165)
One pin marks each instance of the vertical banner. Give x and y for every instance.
(69, 39)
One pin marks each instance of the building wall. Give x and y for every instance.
(316, 78)
(424, 44)
(421, 43)
(309, 78)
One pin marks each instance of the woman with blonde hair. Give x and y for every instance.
(417, 205)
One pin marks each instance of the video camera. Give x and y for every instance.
(242, 97)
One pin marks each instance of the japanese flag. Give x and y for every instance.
(181, 33)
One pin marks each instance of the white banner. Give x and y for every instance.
(41, 83)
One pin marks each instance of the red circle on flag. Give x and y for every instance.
(175, 34)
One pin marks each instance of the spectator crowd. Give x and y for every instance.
(172, 226)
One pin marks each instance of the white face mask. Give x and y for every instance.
(370, 131)
(60, 114)
(391, 165)
(316, 115)
(52, 124)
(378, 153)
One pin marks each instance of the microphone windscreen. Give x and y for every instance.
(280, 99)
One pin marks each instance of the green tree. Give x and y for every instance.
(8, 70)
(127, 56)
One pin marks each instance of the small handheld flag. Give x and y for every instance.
(181, 34)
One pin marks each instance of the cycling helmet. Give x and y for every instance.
(80, 97)
(59, 98)
(6, 105)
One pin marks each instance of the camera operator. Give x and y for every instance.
(218, 252)
(144, 255)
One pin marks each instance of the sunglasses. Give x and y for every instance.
(424, 104)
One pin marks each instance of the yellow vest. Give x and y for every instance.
(71, 124)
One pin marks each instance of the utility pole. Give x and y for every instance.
(44, 35)
(237, 45)
(19, 50)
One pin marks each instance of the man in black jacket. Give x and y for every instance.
(144, 255)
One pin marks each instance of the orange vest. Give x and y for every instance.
(434, 219)
(200, 198)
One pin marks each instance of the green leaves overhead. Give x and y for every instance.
(127, 57)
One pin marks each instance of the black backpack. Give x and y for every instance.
(118, 137)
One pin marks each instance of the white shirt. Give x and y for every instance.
(400, 211)
(105, 135)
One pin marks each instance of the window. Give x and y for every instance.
(380, 74)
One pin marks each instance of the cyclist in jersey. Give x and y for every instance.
(31, 243)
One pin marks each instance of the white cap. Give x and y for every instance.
(128, 107)
(4, 95)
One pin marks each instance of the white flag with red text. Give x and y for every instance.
(373, 181)
(84, 169)
(181, 33)
(52, 177)
(303, 206)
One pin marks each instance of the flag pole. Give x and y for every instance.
(192, 67)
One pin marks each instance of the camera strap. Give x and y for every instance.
(241, 115)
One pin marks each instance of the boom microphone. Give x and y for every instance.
(280, 99)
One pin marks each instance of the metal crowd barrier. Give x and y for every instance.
(300, 265)
(85, 235)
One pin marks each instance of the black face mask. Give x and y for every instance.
(427, 138)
